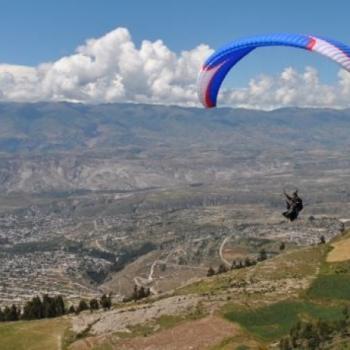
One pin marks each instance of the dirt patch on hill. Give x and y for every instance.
(120, 320)
(340, 251)
(233, 253)
(195, 335)
(200, 334)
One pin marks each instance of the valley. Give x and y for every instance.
(100, 199)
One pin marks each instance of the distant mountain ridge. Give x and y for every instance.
(68, 126)
(65, 146)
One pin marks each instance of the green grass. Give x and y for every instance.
(274, 321)
(228, 343)
(331, 287)
(324, 299)
(103, 346)
(332, 283)
(33, 335)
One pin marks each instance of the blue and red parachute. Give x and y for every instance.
(220, 62)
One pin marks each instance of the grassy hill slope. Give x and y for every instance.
(250, 308)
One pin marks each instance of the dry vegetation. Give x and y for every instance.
(340, 251)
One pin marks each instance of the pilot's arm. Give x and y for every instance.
(288, 197)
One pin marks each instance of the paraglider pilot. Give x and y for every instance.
(294, 206)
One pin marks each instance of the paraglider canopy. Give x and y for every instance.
(220, 62)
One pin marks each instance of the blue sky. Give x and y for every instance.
(37, 31)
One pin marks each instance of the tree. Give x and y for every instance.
(282, 246)
(14, 313)
(7, 314)
(94, 304)
(211, 272)
(59, 305)
(10, 313)
(247, 262)
(49, 306)
(82, 306)
(237, 264)
(135, 293)
(37, 308)
(262, 255)
(324, 329)
(33, 309)
(142, 293)
(285, 344)
(138, 293)
(71, 309)
(106, 301)
(308, 331)
(222, 269)
(314, 335)
(314, 342)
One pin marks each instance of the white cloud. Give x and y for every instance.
(113, 69)
(109, 69)
(291, 88)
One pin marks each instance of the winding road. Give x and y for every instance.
(221, 249)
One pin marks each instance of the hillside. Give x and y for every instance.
(250, 308)
(61, 147)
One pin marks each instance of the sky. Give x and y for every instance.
(151, 51)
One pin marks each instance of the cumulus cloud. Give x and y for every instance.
(113, 69)
(291, 88)
(109, 69)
